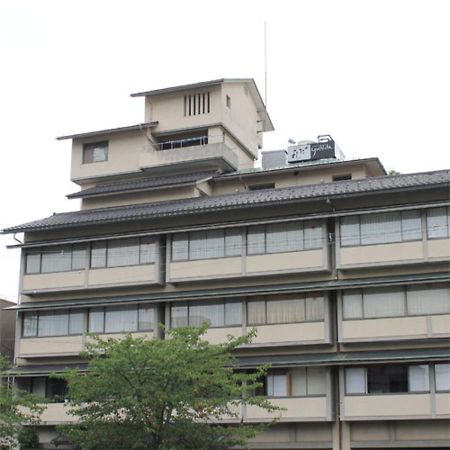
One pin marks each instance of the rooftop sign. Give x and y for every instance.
(311, 151)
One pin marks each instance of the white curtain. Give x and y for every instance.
(147, 250)
(233, 242)
(411, 226)
(96, 320)
(76, 322)
(315, 308)
(180, 247)
(285, 309)
(355, 380)
(437, 223)
(233, 312)
(118, 319)
(213, 313)
(123, 252)
(350, 231)
(179, 315)
(145, 318)
(56, 259)
(256, 240)
(389, 302)
(381, 228)
(256, 311)
(53, 323)
(419, 380)
(352, 304)
(442, 372)
(428, 299)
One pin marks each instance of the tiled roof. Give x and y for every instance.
(142, 184)
(249, 199)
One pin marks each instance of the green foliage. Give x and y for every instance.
(17, 410)
(28, 438)
(141, 394)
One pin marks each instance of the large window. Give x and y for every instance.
(438, 223)
(121, 319)
(381, 228)
(53, 323)
(387, 379)
(284, 237)
(95, 152)
(56, 259)
(207, 244)
(442, 376)
(424, 299)
(223, 313)
(296, 382)
(123, 252)
(285, 309)
(101, 320)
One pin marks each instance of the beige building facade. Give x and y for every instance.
(342, 269)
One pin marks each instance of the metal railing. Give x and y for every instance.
(182, 143)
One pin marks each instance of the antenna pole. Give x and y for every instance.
(265, 63)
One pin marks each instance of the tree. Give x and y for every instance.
(162, 394)
(18, 410)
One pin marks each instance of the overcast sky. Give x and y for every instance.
(373, 74)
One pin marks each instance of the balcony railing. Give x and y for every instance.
(182, 143)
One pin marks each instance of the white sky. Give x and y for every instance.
(373, 74)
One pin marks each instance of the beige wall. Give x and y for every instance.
(92, 278)
(306, 332)
(294, 409)
(219, 335)
(387, 406)
(439, 248)
(124, 150)
(204, 269)
(58, 345)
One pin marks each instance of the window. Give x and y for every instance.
(298, 382)
(101, 320)
(442, 376)
(342, 177)
(195, 104)
(260, 187)
(228, 101)
(371, 303)
(54, 389)
(438, 223)
(285, 309)
(223, 313)
(284, 237)
(123, 252)
(56, 259)
(388, 379)
(95, 152)
(381, 228)
(121, 319)
(52, 323)
(207, 244)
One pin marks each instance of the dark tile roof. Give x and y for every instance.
(142, 184)
(239, 200)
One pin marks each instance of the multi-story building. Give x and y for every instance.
(342, 269)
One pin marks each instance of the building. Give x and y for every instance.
(7, 329)
(342, 269)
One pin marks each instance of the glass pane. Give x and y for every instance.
(442, 374)
(418, 378)
(98, 254)
(147, 250)
(146, 318)
(198, 245)
(233, 242)
(53, 323)
(355, 380)
(213, 313)
(233, 312)
(298, 382)
(352, 305)
(76, 322)
(317, 381)
(30, 322)
(38, 386)
(437, 224)
(350, 231)
(256, 312)
(315, 307)
(256, 240)
(380, 228)
(277, 385)
(96, 320)
(387, 379)
(276, 238)
(33, 263)
(215, 245)
(123, 252)
(78, 256)
(388, 302)
(428, 299)
(56, 259)
(179, 315)
(295, 237)
(180, 247)
(120, 318)
(285, 310)
(411, 226)
(312, 234)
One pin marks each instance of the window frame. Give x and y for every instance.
(448, 223)
(91, 146)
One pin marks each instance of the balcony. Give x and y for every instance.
(416, 327)
(396, 406)
(199, 153)
(56, 414)
(147, 274)
(294, 409)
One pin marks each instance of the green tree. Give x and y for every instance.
(18, 411)
(169, 394)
